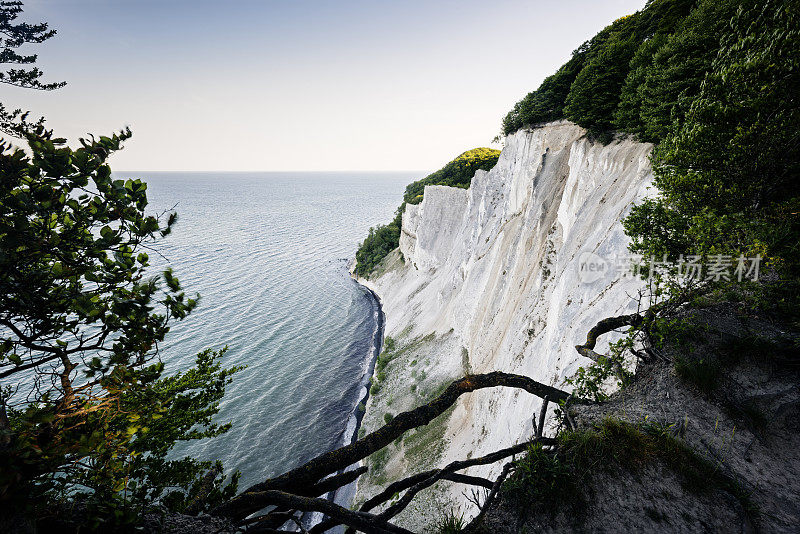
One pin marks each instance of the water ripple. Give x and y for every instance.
(264, 250)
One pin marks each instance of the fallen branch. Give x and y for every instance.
(389, 492)
(401, 485)
(335, 482)
(469, 480)
(360, 520)
(299, 480)
(271, 521)
(404, 501)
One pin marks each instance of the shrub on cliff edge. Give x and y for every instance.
(383, 239)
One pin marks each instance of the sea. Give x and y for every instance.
(269, 253)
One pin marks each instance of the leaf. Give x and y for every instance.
(107, 233)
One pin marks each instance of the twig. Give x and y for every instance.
(404, 501)
(542, 416)
(489, 498)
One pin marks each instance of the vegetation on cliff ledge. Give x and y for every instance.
(457, 173)
(383, 239)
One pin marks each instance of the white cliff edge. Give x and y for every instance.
(488, 281)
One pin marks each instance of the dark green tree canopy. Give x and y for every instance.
(598, 88)
(14, 35)
(729, 170)
(16, 70)
(84, 408)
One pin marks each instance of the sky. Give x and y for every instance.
(298, 85)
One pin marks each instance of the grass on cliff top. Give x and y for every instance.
(559, 477)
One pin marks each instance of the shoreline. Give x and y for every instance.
(344, 496)
(378, 346)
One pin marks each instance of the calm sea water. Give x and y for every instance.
(268, 252)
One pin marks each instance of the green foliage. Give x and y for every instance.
(555, 478)
(677, 331)
(380, 241)
(546, 104)
(728, 173)
(541, 477)
(598, 87)
(594, 95)
(387, 418)
(81, 324)
(383, 239)
(667, 71)
(457, 173)
(384, 358)
(450, 524)
(17, 35)
(378, 461)
(703, 373)
(590, 382)
(425, 445)
(627, 117)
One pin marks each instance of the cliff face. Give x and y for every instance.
(491, 280)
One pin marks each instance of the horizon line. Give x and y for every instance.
(300, 170)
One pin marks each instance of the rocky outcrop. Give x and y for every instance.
(726, 389)
(496, 277)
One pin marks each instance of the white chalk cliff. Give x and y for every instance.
(490, 281)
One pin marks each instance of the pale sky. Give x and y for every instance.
(299, 85)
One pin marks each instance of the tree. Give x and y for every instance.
(667, 71)
(12, 37)
(86, 412)
(546, 104)
(594, 95)
(729, 171)
(380, 241)
(597, 88)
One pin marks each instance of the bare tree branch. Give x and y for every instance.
(542, 417)
(603, 327)
(404, 501)
(298, 480)
(360, 520)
